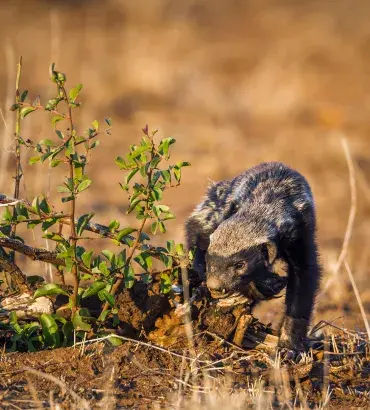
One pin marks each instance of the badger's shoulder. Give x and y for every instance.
(269, 182)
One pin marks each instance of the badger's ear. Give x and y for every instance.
(269, 252)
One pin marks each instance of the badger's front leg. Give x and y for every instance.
(303, 283)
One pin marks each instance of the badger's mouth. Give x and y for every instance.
(220, 294)
(228, 299)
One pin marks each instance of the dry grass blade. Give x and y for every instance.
(361, 306)
(81, 403)
(351, 216)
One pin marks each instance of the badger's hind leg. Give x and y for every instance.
(303, 282)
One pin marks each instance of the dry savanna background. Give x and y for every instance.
(235, 83)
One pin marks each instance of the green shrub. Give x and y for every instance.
(147, 176)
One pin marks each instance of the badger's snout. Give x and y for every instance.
(214, 283)
(218, 287)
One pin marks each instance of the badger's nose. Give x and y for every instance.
(214, 283)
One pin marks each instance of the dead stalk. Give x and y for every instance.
(357, 294)
(351, 216)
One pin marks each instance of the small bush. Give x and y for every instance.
(147, 176)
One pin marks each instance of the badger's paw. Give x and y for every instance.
(293, 334)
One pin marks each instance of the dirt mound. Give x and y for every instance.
(179, 363)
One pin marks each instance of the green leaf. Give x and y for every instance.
(177, 173)
(46, 156)
(50, 330)
(84, 185)
(73, 92)
(78, 322)
(165, 283)
(129, 277)
(54, 237)
(56, 119)
(47, 142)
(7, 215)
(103, 268)
(114, 225)
(50, 289)
(68, 333)
(183, 164)
(33, 160)
(95, 144)
(133, 205)
(55, 162)
(63, 189)
(13, 321)
(124, 232)
(93, 289)
(121, 163)
(44, 206)
(60, 134)
(108, 121)
(144, 260)
(82, 222)
(67, 198)
(107, 297)
(155, 161)
(24, 95)
(26, 110)
(86, 258)
(130, 175)
(96, 125)
(154, 227)
(109, 255)
(139, 150)
(164, 146)
(48, 223)
(171, 246)
(180, 249)
(103, 315)
(15, 107)
(115, 341)
(166, 175)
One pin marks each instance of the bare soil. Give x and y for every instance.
(165, 364)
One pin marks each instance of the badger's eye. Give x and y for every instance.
(240, 265)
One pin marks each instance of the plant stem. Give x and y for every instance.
(73, 234)
(118, 282)
(18, 171)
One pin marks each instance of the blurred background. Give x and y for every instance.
(236, 83)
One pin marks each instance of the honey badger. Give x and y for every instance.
(247, 223)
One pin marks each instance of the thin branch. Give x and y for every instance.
(134, 246)
(15, 273)
(73, 234)
(18, 172)
(36, 254)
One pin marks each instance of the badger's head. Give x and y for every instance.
(240, 257)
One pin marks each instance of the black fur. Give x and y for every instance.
(244, 225)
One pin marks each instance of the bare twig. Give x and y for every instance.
(36, 254)
(15, 273)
